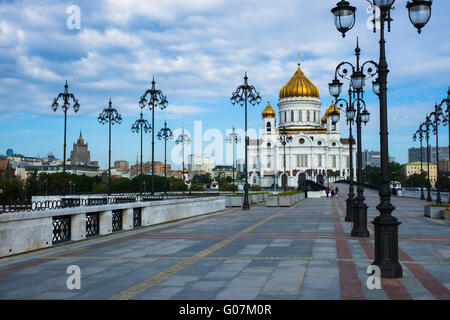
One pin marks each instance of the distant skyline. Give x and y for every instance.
(198, 51)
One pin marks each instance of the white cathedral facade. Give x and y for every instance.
(317, 151)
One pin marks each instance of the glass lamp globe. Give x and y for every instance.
(383, 3)
(335, 117)
(365, 116)
(350, 114)
(376, 87)
(335, 88)
(358, 79)
(419, 12)
(344, 16)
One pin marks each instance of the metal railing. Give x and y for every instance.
(72, 202)
(61, 229)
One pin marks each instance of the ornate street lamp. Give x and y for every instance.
(153, 98)
(350, 113)
(447, 120)
(183, 139)
(419, 135)
(243, 94)
(141, 126)
(357, 80)
(284, 139)
(166, 134)
(427, 125)
(111, 116)
(66, 97)
(386, 226)
(234, 139)
(438, 116)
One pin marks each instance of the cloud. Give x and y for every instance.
(181, 111)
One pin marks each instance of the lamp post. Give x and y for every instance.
(438, 116)
(350, 113)
(446, 122)
(243, 94)
(284, 139)
(66, 96)
(141, 126)
(166, 134)
(111, 116)
(357, 80)
(386, 226)
(419, 135)
(183, 139)
(427, 125)
(155, 99)
(234, 139)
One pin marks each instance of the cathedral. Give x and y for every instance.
(317, 152)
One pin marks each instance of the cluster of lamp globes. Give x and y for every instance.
(419, 13)
(357, 83)
(344, 18)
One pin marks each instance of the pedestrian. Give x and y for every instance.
(332, 192)
(327, 191)
(337, 191)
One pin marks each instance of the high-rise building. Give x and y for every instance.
(80, 152)
(373, 158)
(414, 154)
(204, 162)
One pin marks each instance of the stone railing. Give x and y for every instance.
(26, 231)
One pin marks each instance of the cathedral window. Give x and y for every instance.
(292, 115)
(319, 160)
(269, 127)
(308, 116)
(300, 118)
(333, 159)
(315, 116)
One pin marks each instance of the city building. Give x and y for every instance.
(122, 165)
(414, 154)
(6, 171)
(372, 158)
(205, 162)
(414, 168)
(147, 168)
(443, 165)
(316, 147)
(78, 169)
(80, 152)
(224, 171)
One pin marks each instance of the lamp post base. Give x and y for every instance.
(349, 216)
(386, 246)
(360, 220)
(246, 204)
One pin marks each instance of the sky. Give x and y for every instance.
(198, 52)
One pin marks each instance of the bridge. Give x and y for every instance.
(304, 251)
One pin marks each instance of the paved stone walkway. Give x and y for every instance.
(302, 252)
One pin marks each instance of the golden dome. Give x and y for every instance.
(299, 86)
(268, 112)
(185, 171)
(329, 111)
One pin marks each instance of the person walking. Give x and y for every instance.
(337, 191)
(332, 192)
(327, 191)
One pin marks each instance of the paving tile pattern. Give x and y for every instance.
(302, 252)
